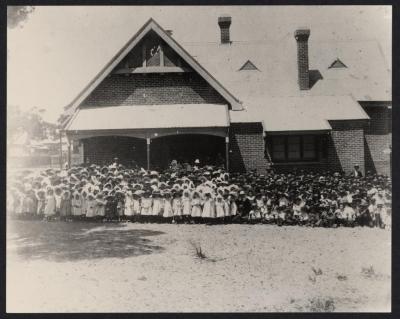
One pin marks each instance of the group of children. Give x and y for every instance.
(203, 195)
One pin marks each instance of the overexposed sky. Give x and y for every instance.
(60, 49)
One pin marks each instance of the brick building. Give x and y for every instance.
(268, 105)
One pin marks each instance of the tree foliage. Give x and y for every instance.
(16, 15)
(31, 122)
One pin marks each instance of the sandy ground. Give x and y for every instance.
(82, 267)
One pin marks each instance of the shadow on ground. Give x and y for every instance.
(59, 241)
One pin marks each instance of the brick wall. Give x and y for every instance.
(378, 138)
(247, 147)
(302, 36)
(147, 89)
(346, 145)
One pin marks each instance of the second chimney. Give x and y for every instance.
(301, 36)
(224, 23)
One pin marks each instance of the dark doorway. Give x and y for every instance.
(102, 150)
(209, 149)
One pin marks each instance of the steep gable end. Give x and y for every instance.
(173, 59)
(152, 55)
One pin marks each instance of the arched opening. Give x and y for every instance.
(209, 149)
(101, 150)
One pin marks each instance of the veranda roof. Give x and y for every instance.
(150, 116)
(306, 113)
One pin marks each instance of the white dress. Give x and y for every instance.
(186, 206)
(84, 206)
(157, 206)
(219, 208)
(50, 207)
(208, 209)
(136, 206)
(296, 210)
(58, 202)
(177, 207)
(90, 208)
(167, 208)
(196, 207)
(227, 208)
(100, 208)
(76, 207)
(128, 209)
(146, 207)
(233, 209)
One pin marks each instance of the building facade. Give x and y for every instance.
(265, 105)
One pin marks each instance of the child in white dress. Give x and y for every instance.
(90, 207)
(227, 208)
(157, 206)
(176, 207)
(100, 208)
(146, 204)
(208, 213)
(232, 205)
(50, 206)
(128, 209)
(41, 197)
(136, 205)
(76, 206)
(196, 207)
(255, 213)
(167, 212)
(84, 200)
(220, 209)
(186, 206)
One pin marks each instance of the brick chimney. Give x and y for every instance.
(224, 23)
(301, 36)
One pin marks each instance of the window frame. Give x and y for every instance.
(286, 158)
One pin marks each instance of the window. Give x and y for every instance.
(294, 148)
(278, 147)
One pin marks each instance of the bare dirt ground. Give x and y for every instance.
(91, 267)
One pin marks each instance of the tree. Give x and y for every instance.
(16, 15)
(28, 121)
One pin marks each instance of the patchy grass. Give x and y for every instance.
(317, 272)
(199, 252)
(341, 277)
(321, 305)
(313, 279)
(106, 265)
(368, 272)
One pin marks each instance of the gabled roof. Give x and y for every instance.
(151, 25)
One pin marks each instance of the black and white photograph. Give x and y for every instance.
(182, 159)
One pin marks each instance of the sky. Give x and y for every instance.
(58, 50)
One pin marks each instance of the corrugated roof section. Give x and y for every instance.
(150, 116)
(366, 77)
(307, 113)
